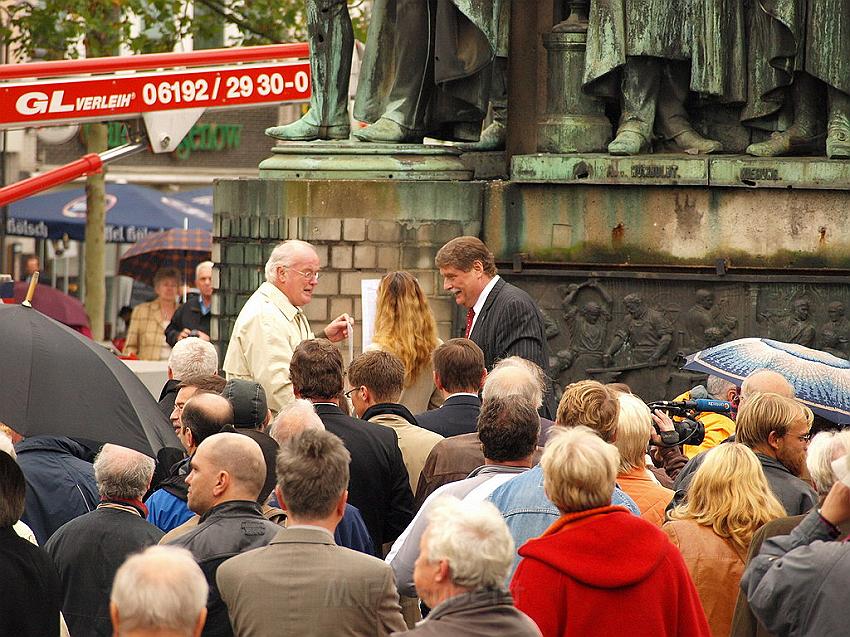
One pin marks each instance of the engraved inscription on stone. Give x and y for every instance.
(759, 174)
(650, 171)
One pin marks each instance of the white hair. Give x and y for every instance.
(161, 588)
(201, 266)
(473, 538)
(717, 387)
(515, 376)
(193, 358)
(122, 473)
(297, 416)
(823, 449)
(283, 255)
(6, 445)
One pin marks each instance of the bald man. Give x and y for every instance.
(226, 475)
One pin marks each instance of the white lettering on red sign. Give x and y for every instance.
(119, 96)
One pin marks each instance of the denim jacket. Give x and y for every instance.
(528, 512)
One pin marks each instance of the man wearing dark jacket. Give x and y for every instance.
(227, 473)
(459, 374)
(88, 550)
(60, 482)
(193, 317)
(378, 484)
(502, 319)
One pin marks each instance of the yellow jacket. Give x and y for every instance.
(717, 429)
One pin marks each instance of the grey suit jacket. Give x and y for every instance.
(304, 584)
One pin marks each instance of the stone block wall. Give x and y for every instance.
(360, 230)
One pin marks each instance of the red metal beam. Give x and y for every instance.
(206, 57)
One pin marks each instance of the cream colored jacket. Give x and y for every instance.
(265, 335)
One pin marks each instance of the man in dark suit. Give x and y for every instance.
(379, 485)
(458, 374)
(502, 319)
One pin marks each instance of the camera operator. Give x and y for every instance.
(664, 455)
(718, 427)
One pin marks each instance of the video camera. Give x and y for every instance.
(687, 429)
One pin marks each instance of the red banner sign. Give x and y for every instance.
(120, 96)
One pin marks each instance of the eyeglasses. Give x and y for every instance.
(805, 437)
(349, 392)
(309, 274)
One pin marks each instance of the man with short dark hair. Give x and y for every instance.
(302, 583)
(88, 550)
(379, 485)
(459, 374)
(377, 380)
(203, 415)
(502, 319)
(227, 473)
(508, 428)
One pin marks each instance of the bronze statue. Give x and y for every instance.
(649, 53)
(834, 336)
(798, 328)
(646, 331)
(799, 60)
(705, 315)
(331, 40)
(428, 69)
(588, 326)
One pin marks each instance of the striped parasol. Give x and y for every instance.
(181, 249)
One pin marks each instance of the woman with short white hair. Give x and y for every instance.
(464, 558)
(599, 570)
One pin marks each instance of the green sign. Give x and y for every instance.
(209, 137)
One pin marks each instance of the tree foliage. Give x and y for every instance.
(57, 29)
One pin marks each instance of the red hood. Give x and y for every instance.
(606, 547)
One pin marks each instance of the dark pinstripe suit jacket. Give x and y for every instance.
(510, 324)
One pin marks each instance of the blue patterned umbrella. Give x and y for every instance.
(820, 380)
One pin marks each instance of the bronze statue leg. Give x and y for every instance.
(838, 130)
(410, 96)
(640, 82)
(805, 135)
(672, 122)
(331, 40)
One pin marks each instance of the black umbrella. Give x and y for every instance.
(55, 381)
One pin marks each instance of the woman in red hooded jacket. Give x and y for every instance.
(599, 570)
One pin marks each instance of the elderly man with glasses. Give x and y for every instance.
(272, 322)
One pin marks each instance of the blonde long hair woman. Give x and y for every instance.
(728, 500)
(405, 326)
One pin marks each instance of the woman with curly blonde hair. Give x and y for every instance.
(729, 498)
(405, 327)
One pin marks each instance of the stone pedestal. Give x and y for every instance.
(573, 122)
(358, 160)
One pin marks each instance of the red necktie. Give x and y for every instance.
(470, 314)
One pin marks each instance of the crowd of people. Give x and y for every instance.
(426, 488)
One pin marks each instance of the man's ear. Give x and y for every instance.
(340, 506)
(483, 378)
(279, 495)
(199, 626)
(443, 574)
(478, 267)
(113, 615)
(170, 374)
(222, 483)
(773, 439)
(437, 382)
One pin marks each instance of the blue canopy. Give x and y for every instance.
(131, 213)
